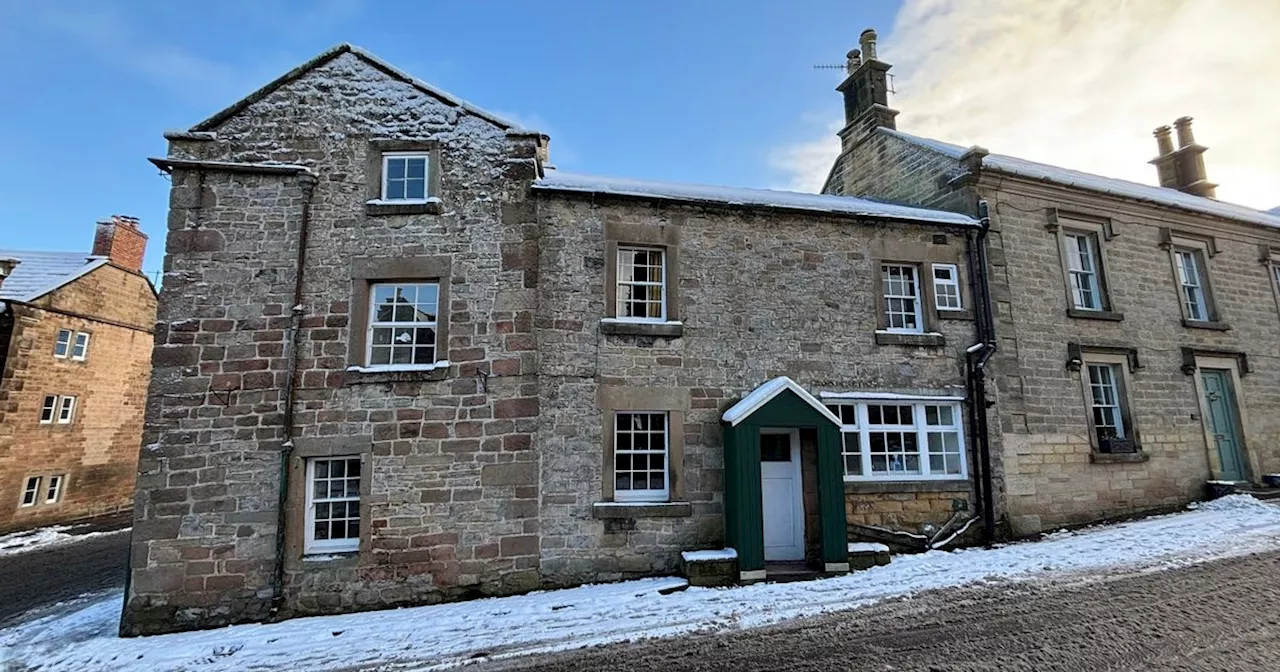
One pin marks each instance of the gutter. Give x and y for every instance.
(976, 358)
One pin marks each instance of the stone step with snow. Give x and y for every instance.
(711, 567)
(865, 555)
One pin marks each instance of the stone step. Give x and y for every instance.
(865, 555)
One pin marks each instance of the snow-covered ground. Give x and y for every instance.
(45, 537)
(82, 637)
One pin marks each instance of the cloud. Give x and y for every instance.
(1082, 83)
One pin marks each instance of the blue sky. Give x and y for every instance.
(682, 90)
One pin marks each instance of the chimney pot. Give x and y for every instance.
(867, 41)
(1163, 141)
(853, 61)
(1183, 124)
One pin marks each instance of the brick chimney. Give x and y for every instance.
(866, 92)
(119, 239)
(1182, 168)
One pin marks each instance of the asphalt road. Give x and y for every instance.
(1215, 616)
(41, 578)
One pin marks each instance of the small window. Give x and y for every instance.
(48, 408)
(946, 287)
(1109, 413)
(901, 298)
(642, 281)
(404, 176)
(333, 505)
(1083, 271)
(63, 344)
(640, 457)
(80, 348)
(54, 492)
(895, 441)
(31, 492)
(402, 324)
(1195, 303)
(66, 409)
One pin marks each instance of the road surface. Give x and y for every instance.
(40, 578)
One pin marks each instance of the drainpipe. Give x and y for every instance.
(291, 346)
(976, 359)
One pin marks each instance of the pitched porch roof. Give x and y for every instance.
(765, 393)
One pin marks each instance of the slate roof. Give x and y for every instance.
(1107, 185)
(39, 273)
(559, 180)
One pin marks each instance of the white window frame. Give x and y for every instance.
(952, 282)
(662, 494)
(388, 157)
(1084, 273)
(311, 545)
(30, 488)
(80, 346)
(48, 409)
(66, 410)
(393, 324)
(917, 299)
(1191, 284)
(863, 429)
(631, 283)
(53, 491)
(61, 346)
(1117, 407)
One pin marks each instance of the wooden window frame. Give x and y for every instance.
(954, 271)
(1201, 249)
(379, 150)
(64, 346)
(862, 427)
(1102, 231)
(369, 271)
(614, 399)
(620, 282)
(372, 324)
(83, 347)
(648, 495)
(1122, 364)
(662, 236)
(29, 489)
(298, 555)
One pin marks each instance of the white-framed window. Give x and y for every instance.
(1191, 280)
(48, 409)
(62, 345)
(897, 440)
(53, 494)
(1108, 406)
(402, 324)
(404, 176)
(333, 505)
(946, 287)
(901, 298)
(1082, 269)
(80, 347)
(31, 491)
(640, 464)
(642, 284)
(66, 409)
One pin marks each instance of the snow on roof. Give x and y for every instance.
(39, 273)
(763, 394)
(1107, 185)
(333, 52)
(558, 180)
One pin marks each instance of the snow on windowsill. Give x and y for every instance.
(908, 333)
(867, 547)
(396, 368)
(630, 504)
(895, 396)
(403, 201)
(624, 320)
(328, 557)
(709, 556)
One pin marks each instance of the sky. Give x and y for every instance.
(706, 91)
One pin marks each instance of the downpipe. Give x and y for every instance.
(976, 358)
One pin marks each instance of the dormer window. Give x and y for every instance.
(404, 176)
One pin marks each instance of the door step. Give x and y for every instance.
(1264, 491)
(864, 555)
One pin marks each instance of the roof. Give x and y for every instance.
(765, 393)
(39, 273)
(1107, 185)
(558, 180)
(328, 55)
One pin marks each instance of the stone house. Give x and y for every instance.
(400, 359)
(1137, 325)
(75, 353)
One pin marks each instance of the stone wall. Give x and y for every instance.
(97, 452)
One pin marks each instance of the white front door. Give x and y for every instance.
(781, 494)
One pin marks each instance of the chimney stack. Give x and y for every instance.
(866, 92)
(7, 264)
(1182, 168)
(119, 240)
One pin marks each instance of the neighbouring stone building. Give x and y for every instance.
(400, 359)
(1138, 326)
(75, 353)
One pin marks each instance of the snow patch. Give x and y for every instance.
(892, 396)
(42, 538)
(711, 555)
(867, 547)
(391, 368)
(1234, 503)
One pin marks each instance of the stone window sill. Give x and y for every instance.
(606, 510)
(876, 487)
(1105, 315)
(1205, 324)
(629, 328)
(381, 208)
(1118, 458)
(330, 560)
(357, 376)
(955, 314)
(931, 339)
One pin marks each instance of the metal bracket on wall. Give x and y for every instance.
(223, 396)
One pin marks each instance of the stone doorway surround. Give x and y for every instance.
(779, 404)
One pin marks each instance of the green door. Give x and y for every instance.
(1223, 422)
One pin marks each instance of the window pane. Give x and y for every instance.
(416, 189)
(416, 168)
(852, 454)
(395, 169)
